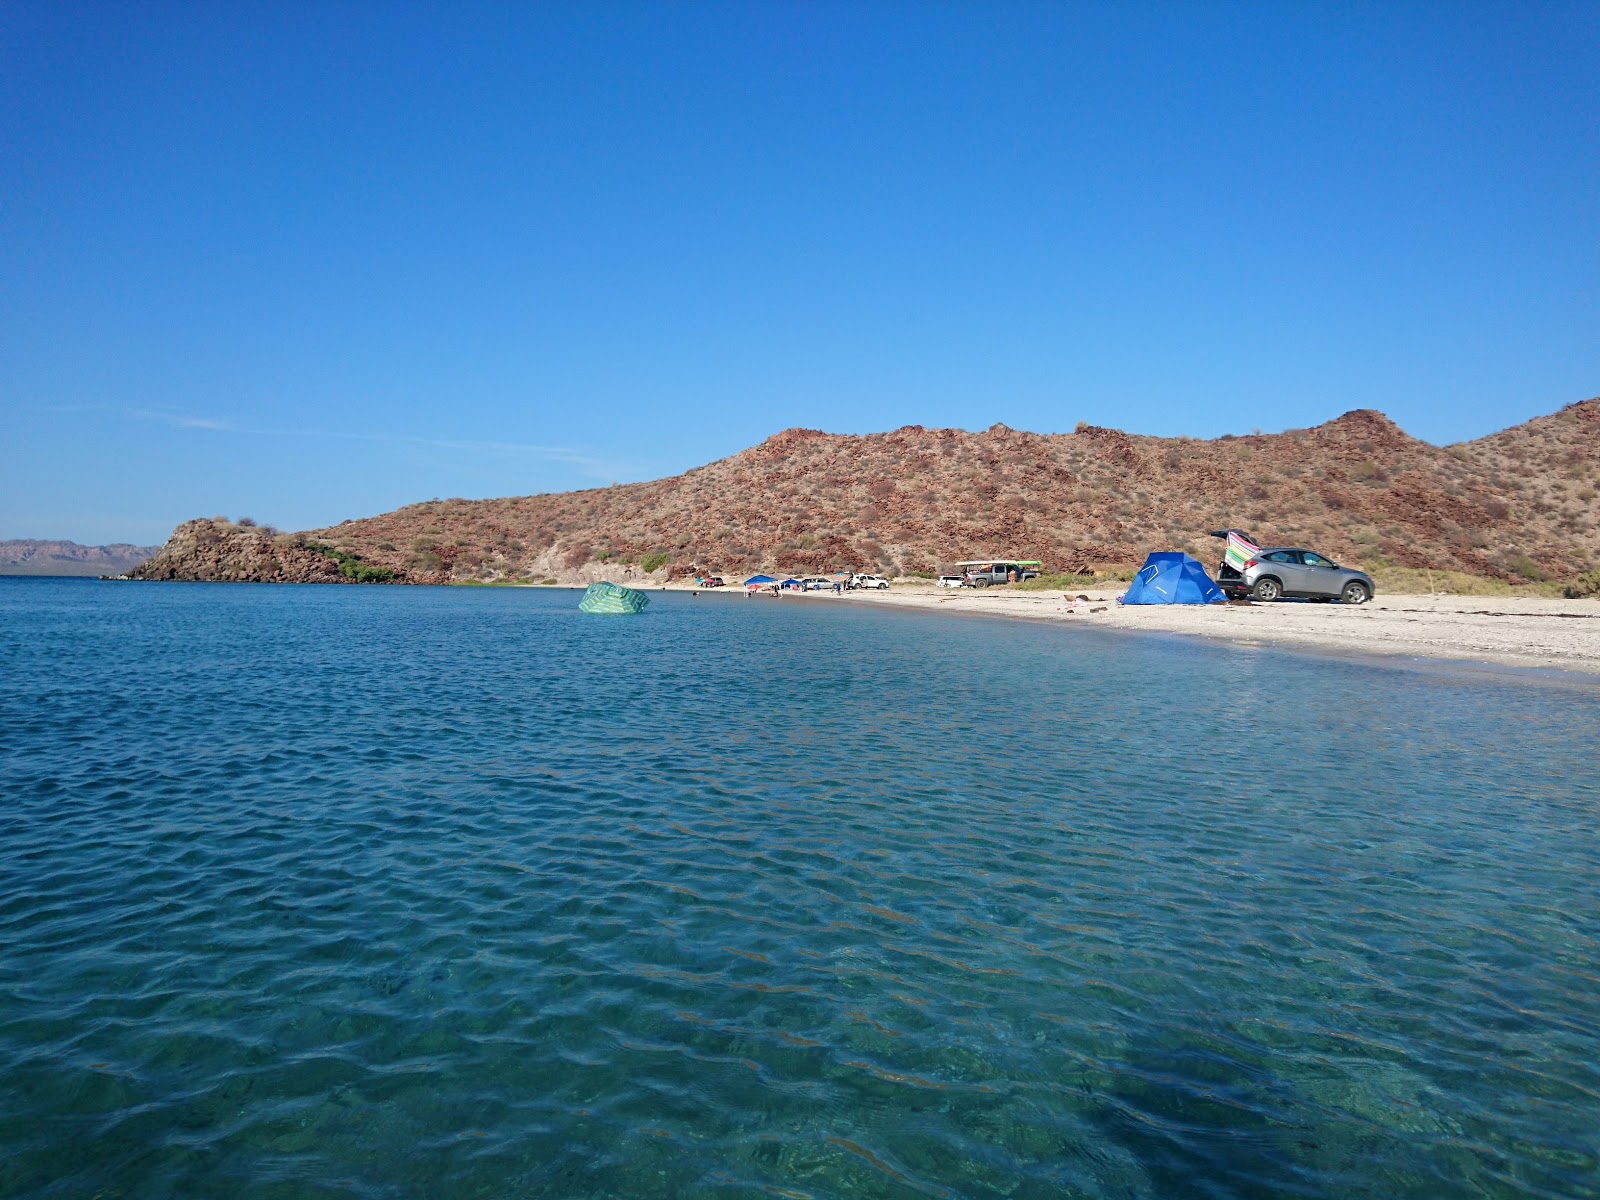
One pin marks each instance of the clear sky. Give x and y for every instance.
(305, 261)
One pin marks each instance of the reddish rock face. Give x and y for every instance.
(1357, 488)
(218, 551)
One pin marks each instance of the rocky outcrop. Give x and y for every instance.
(1517, 504)
(214, 550)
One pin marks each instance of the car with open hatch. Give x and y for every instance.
(1286, 573)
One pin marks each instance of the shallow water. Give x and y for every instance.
(457, 892)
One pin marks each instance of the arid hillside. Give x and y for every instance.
(33, 556)
(1519, 504)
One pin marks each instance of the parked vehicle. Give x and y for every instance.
(711, 581)
(1279, 572)
(987, 571)
(816, 583)
(873, 582)
(952, 581)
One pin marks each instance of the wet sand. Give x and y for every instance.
(1515, 631)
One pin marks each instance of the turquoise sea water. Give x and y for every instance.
(455, 893)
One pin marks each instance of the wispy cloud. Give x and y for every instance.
(589, 465)
(179, 421)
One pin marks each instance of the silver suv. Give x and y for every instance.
(1273, 573)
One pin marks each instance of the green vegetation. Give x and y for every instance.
(483, 583)
(1584, 587)
(1057, 583)
(1527, 568)
(654, 562)
(350, 566)
(547, 583)
(1409, 581)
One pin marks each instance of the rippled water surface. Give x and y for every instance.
(457, 893)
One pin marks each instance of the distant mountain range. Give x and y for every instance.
(1519, 504)
(30, 556)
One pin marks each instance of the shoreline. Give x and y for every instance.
(1525, 633)
(1521, 637)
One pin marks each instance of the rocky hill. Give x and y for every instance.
(216, 550)
(1519, 504)
(31, 556)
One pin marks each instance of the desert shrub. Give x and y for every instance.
(1412, 581)
(1521, 564)
(1584, 587)
(1054, 583)
(577, 555)
(351, 566)
(653, 562)
(546, 582)
(248, 522)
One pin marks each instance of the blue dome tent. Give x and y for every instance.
(1168, 578)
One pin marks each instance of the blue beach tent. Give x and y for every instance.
(1172, 579)
(759, 581)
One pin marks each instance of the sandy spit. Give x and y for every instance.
(1515, 631)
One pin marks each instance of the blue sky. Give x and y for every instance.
(309, 261)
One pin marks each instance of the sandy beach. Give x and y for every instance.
(1514, 631)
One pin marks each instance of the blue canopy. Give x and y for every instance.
(757, 580)
(1169, 578)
